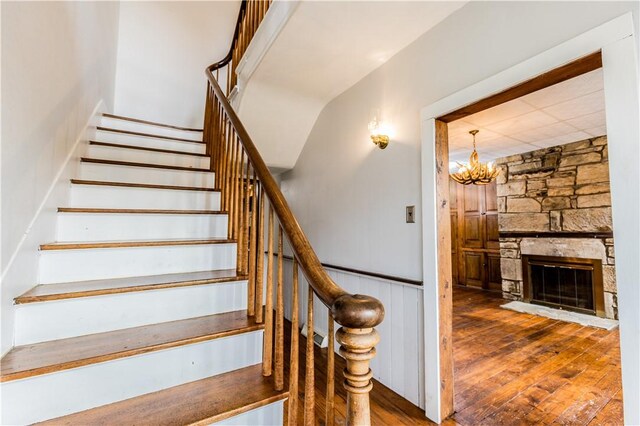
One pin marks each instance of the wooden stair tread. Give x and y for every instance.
(144, 148)
(132, 243)
(46, 292)
(153, 123)
(48, 357)
(148, 135)
(148, 165)
(141, 185)
(136, 211)
(201, 402)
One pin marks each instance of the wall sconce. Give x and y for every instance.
(379, 131)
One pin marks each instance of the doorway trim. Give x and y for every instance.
(615, 39)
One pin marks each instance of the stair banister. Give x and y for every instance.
(245, 180)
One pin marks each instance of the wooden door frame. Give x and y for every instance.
(616, 40)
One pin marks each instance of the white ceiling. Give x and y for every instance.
(566, 112)
(324, 48)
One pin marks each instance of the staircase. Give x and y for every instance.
(154, 304)
(140, 315)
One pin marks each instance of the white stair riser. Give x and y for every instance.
(100, 263)
(126, 139)
(271, 414)
(136, 226)
(149, 175)
(142, 198)
(97, 314)
(148, 157)
(52, 395)
(114, 123)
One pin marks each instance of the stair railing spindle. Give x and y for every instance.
(260, 257)
(293, 359)
(279, 358)
(246, 248)
(309, 381)
(242, 251)
(330, 415)
(252, 214)
(268, 309)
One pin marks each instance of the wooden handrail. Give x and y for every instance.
(354, 311)
(245, 181)
(222, 63)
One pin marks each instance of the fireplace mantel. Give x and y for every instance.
(556, 234)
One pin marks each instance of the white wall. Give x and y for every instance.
(58, 64)
(163, 50)
(349, 196)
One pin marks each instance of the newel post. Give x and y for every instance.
(358, 315)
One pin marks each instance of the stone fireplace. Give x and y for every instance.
(555, 202)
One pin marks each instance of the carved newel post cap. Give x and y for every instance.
(357, 311)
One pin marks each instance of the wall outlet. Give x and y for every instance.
(411, 214)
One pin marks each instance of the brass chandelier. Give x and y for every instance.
(475, 172)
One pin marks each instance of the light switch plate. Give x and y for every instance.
(411, 214)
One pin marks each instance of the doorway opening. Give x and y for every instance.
(541, 234)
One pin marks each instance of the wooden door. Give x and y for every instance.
(478, 241)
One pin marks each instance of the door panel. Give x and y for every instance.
(471, 199)
(494, 278)
(473, 268)
(491, 198)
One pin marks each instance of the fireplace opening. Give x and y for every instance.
(565, 283)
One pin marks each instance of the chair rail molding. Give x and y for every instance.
(617, 42)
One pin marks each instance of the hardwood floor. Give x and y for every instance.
(510, 369)
(514, 369)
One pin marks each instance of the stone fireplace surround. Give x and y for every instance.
(556, 202)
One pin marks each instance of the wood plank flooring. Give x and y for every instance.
(514, 369)
(510, 369)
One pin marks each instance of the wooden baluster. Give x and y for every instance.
(220, 149)
(225, 168)
(207, 115)
(242, 252)
(253, 195)
(279, 358)
(329, 416)
(260, 256)
(231, 183)
(223, 161)
(268, 309)
(215, 139)
(228, 73)
(247, 216)
(236, 198)
(358, 348)
(234, 186)
(293, 361)
(249, 18)
(309, 392)
(239, 206)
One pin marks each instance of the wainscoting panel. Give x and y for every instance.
(399, 363)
